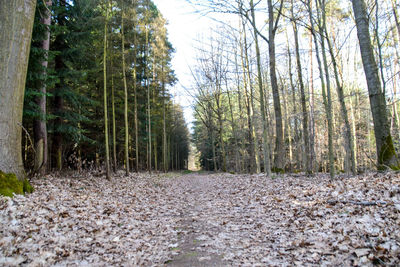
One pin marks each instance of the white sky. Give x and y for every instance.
(184, 26)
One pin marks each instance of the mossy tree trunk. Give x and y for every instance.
(386, 154)
(15, 38)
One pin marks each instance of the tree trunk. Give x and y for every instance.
(279, 161)
(386, 155)
(148, 97)
(15, 38)
(267, 164)
(107, 159)
(39, 125)
(164, 135)
(306, 136)
(114, 130)
(60, 67)
(125, 97)
(349, 140)
(253, 147)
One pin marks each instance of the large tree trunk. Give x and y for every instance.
(15, 39)
(386, 154)
(39, 125)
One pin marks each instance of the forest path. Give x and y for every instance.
(203, 219)
(195, 196)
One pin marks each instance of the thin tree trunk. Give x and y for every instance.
(349, 140)
(279, 161)
(114, 130)
(253, 147)
(267, 164)
(39, 125)
(164, 136)
(107, 160)
(135, 108)
(125, 98)
(306, 137)
(148, 97)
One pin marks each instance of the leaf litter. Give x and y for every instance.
(246, 220)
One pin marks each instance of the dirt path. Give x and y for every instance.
(194, 226)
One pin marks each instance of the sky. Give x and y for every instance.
(184, 27)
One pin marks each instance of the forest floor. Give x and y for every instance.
(203, 219)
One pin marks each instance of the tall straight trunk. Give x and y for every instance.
(312, 105)
(286, 110)
(253, 146)
(386, 155)
(136, 107)
(15, 38)
(325, 87)
(349, 140)
(107, 160)
(220, 125)
(39, 125)
(125, 97)
(296, 131)
(240, 153)
(164, 135)
(267, 164)
(279, 161)
(233, 126)
(329, 110)
(114, 128)
(60, 67)
(148, 96)
(306, 136)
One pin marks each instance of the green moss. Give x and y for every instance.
(386, 154)
(27, 187)
(9, 185)
(277, 170)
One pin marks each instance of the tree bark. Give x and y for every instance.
(15, 38)
(125, 97)
(107, 159)
(306, 136)
(39, 125)
(349, 140)
(386, 155)
(267, 164)
(58, 104)
(279, 161)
